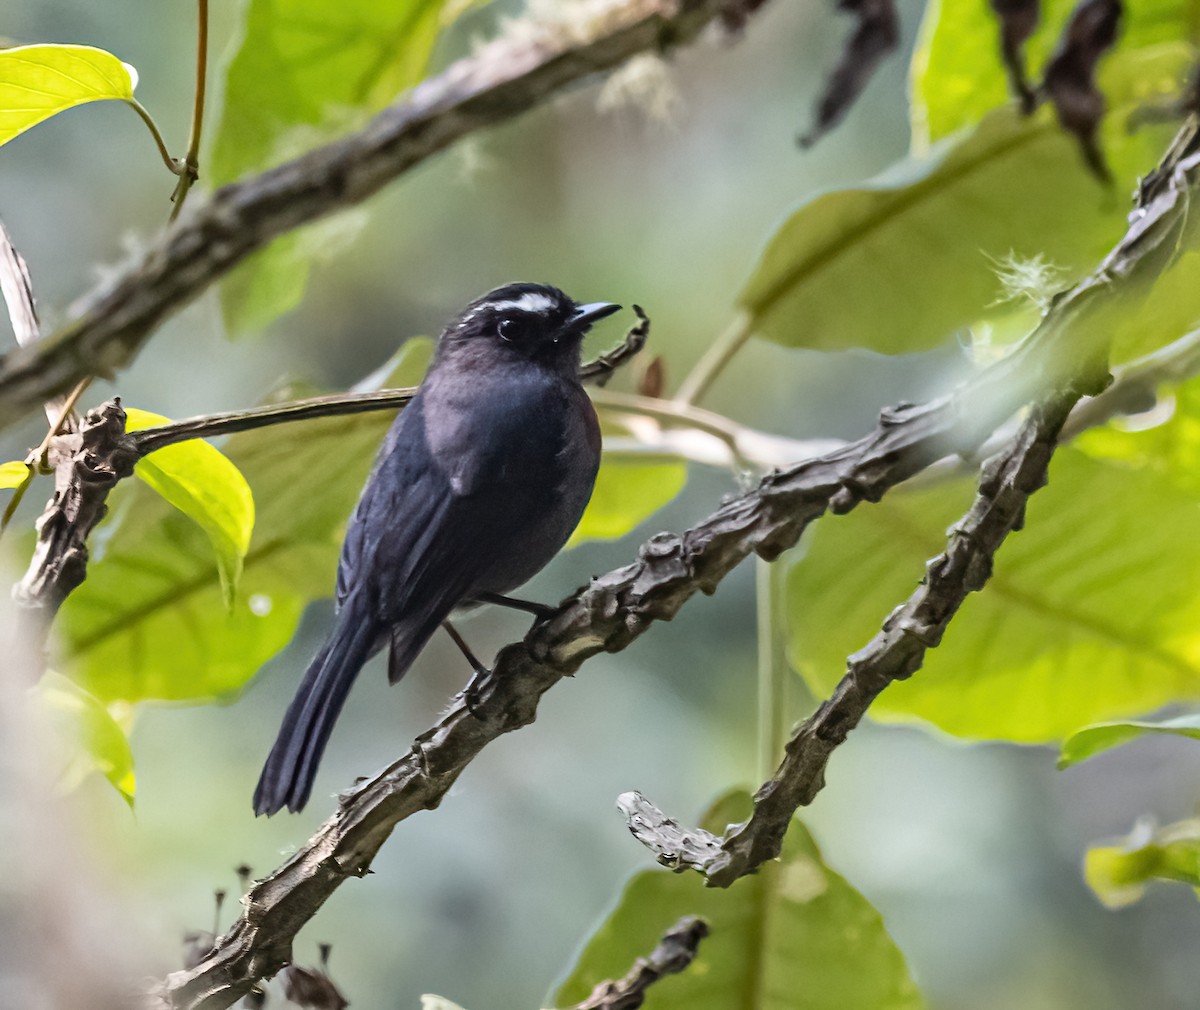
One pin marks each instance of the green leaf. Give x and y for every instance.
(86, 737)
(206, 487)
(795, 936)
(37, 82)
(1093, 739)
(1082, 621)
(931, 235)
(628, 490)
(1169, 449)
(957, 75)
(150, 621)
(13, 474)
(303, 72)
(1171, 309)
(1119, 873)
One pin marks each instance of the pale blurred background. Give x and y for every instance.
(972, 853)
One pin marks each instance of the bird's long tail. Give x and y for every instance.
(287, 777)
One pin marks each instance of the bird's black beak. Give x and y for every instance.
(585, 315)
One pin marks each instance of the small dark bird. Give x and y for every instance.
(479, 483)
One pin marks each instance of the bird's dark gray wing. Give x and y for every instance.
(431, 529)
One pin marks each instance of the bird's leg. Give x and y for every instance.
(471, 693)
(539, 610)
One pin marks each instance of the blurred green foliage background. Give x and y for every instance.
(972, 853)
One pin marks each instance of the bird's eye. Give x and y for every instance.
(511, 329)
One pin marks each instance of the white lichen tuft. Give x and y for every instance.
(1033, 280)
(561, 24)
(474, 162)
(644, 83)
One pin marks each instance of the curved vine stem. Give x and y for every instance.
(713, 362)
(173, 166)
(190, 169)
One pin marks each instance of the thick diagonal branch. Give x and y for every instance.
(502, 80)
(895, 653)
(1078, 331)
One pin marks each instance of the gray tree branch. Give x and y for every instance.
(895, 653)
(1076, 321)
(503, 79)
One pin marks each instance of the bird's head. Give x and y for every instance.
(536, 321)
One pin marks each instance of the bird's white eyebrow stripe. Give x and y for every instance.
(532, 301)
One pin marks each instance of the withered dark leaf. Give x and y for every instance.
(1018, 20)
(877, 34)
(1070, 78)
(653, 379)
(311, 988)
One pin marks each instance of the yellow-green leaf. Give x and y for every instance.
(13, 474)
(1093, 739)
(204, 485)
(795, 936)
(1171, 449)
(37, 82)
(628, 490)
(1119, 873)
(86, 737)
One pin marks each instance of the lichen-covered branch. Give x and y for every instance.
(503, 79)
(1078, 333)
(87, 465)
(895, 653)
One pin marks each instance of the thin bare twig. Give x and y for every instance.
(598, 371)
(675, 951)
(17, 288)
(191, 160)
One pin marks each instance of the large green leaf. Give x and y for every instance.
(37, 82)
(1171, 449)
(302, 72)
(796, 936)
(957, 75)
(901, 262)
(150, 621)
(628, 490)
(1083, 619)
(1119, 873)
(1091, 740)
(84, 736)
(205, 486)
